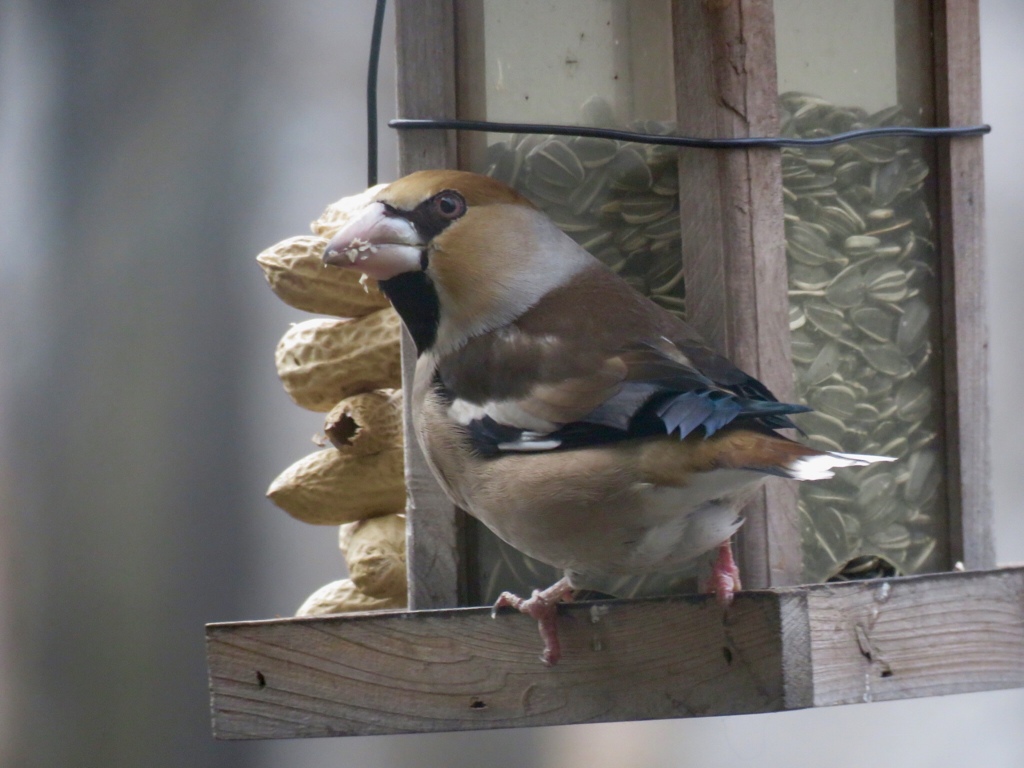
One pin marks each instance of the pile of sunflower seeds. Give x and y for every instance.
(862, 288)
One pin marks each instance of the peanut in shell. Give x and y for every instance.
(374, 550)
(296, 273)
(324, 360)
(338, 213)
(330, 488)
(344, 597)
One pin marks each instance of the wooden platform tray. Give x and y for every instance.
(459, 669)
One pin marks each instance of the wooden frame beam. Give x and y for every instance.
(962, 275)
(733, 239)
(459, 669)
(425, 45)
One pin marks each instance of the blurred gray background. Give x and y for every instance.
(148, 151)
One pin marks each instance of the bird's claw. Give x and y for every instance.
(725, 576)
(543, 607)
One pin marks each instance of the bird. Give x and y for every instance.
(583, 424)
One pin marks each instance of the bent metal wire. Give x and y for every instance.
(747, 142)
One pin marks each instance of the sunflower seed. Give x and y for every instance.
(840, 221)
(921, 560)
(594, 153)
(644, 209)
(887, 359)
(820, 423)
(554, 162)
(875, 323)
(807, 243)
(913, 400)
(590, 195)
(888, 181)
(806, 278)
(803, 347)
(836, 400)
(913, 326)
(860, 245)
(668, 282)
(888, 285)
(595, 241)
(894, 538)
(667, 183)
(847, 289)
(826, 318)
(879, 485)
(546, 191)
(830, 533)
(875, 150)
(797, 318)
(628, 171)
(825, 363)
(896, 448)
(865, 412)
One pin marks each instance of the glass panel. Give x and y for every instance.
(863, 279)
(605, 63)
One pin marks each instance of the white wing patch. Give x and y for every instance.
(820, 467)
(530, 441)
(463, 412)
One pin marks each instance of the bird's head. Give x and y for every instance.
(458, 254)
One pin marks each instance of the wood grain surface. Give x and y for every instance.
(733, 243)
(459, 669)
(962, 277)
(425, 42)
(927, 636)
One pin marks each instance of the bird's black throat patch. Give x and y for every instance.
(415, 299)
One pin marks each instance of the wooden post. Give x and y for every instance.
(962, 277)
(733, 238)
(425, 31)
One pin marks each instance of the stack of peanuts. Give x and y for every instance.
(347, 365)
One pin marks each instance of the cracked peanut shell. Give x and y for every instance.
(366, 423)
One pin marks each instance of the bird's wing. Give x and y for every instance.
(613, 367)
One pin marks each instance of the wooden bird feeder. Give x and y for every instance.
(847, 276)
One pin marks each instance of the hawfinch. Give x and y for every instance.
(583, 424)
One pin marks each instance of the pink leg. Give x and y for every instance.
(542, 606)
(725, 576)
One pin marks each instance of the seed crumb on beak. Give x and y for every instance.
(359, 250)
(364, 280)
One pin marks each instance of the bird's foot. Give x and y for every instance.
(542, 606)
(725, 576)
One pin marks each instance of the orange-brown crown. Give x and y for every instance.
(409, 191)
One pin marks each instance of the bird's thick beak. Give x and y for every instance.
(378, 243)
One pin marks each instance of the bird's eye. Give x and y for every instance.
(449, 204)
